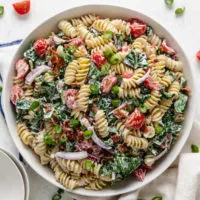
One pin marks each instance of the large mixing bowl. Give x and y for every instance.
(50, 25)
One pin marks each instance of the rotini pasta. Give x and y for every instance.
(67, 28)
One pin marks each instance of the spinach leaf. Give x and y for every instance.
(121, 165)
(67, 54)
(118, 40)
(149, 31)
(135, 61)
(95, 74)
(166, 94)
(180, 104)
(105, 104)
(40, 61)
(183, 82)
(30, 54)
(69, 146)
(23, 104)
(129, 39)
(36, 123)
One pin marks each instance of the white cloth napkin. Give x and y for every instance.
(185, 187)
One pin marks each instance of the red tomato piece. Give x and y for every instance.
(16, 93)
(166, 48)
(76, 42)
(115, 138)
(98, 59)
(22, 7)
(71, 97)
(151, 84)
(40, 47)
(127, 75)
(108, 82)
(140, 174)
(135, 120)
(22, 68)
(198, 55)
(138, 29)
(135, 21)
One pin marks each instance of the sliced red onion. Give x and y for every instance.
(58, 40)
(72, 155)
(120, 107)
(141, 80)
(36, 72)
(150, 160)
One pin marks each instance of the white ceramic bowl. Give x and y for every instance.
(113, 12)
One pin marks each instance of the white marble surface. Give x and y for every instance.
(184, 28)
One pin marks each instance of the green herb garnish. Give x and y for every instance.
(34, 105)
(48, 140)
(1, 10)
(88, 165)
(194, 148)
(143, 108)
(87, 134)
(158, 129)
(58, 129)
(115, 89)
(74, 123)
(108, 35)
(115, 59)
(108, 53)
(169, 2)
(94, 89)
(157, 198)
(115, 103)
(179, 11)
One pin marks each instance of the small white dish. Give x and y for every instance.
(23, 173)
(11, 180)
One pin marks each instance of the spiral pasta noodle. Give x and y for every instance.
(25, 135)
(70, 72)
(174, 89)
(151, 102)
(86, 20)
(84, 33)
(102, 25)
(139, 44)
(155, 40)
(136, 142)
(134, 92)
(67, 28)
(101, 123)
(97, 41)
(110, 46)
(176, 66)
(80, 52)
(81, 74)
(83, 97)
(121, 68)
(122, 26)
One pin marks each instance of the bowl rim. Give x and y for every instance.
(161, 167)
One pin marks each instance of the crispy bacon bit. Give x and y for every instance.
(122, 148)
(108, 82)
(71, 97)
(120, 113)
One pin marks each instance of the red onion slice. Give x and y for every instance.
(36, 72)
(141, 80)
(72, 155)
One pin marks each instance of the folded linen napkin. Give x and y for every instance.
(164, 185)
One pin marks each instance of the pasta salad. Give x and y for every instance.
(100, 100)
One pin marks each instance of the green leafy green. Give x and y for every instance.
(48, 140)
(30, 54)
(135, 61)
(194, 148)
(57, 128)
(88, 164)
(67, 54)
(183, 82)
(95, 73)
(149, 31)
(179, 11)
(166, 94)
(1, 10)
(34, 105)
(69, 146)
(180, 104)
(118, 41)
(121, 165)
(23, 104)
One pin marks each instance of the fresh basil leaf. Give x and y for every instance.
(135, 61)
(180, 104)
